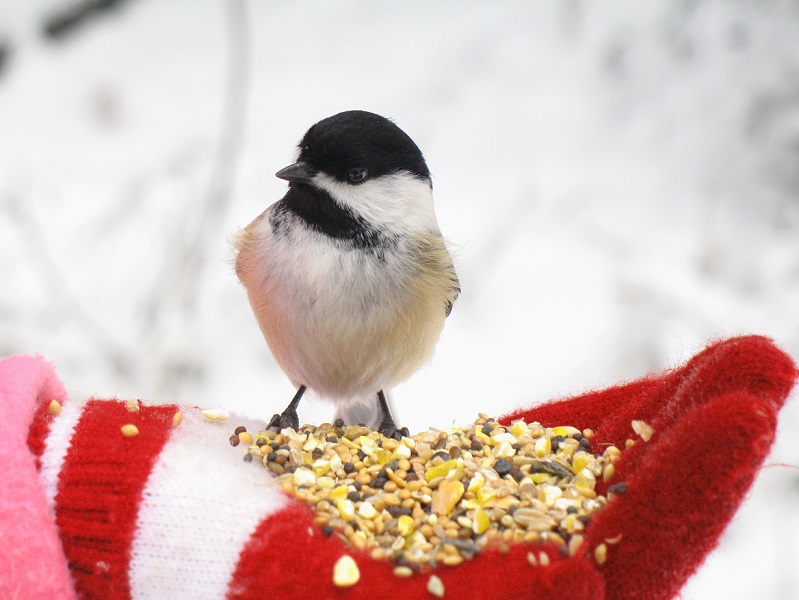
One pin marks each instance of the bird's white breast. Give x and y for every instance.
(343, 321)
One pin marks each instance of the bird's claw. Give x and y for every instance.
(274, 422)
(389, 429)
(284, 420)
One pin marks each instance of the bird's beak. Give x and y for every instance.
(299, 172)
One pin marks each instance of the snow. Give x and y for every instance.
(619, 181)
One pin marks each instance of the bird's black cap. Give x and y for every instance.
(359, 139)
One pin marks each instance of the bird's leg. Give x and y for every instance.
(289, 417)
(387, 426)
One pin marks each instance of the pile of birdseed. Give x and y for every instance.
(440, 497)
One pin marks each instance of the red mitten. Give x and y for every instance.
(173, 511)
(714, 421)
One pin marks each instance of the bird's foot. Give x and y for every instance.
(288, 418)
(389, 429)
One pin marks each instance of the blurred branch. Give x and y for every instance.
(55, 286)
(191, 255)
(5, 55)
(571, 16)
(217, 198)
(171, 303)
(175, 296)
(70, 18)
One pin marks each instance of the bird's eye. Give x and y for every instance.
(358, 175)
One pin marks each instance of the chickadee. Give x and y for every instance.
(348, 275)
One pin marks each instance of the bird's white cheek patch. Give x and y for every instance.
(398, 203)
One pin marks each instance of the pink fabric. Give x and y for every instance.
(32, 562)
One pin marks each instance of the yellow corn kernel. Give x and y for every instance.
(441, 470)
(446, 496)
(367, 510)
(383, 456)
(483, 438)
(481, 521)
(503, 450)
(519, 428)
(484, 494)
(346, 572)
(580, 461)
(543, 447)
(325, 483)
(337, 493)
(303, 477)
(550, 494)
(405, 525)
(476, 482)
(345, 507)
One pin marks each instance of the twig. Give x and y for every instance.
(69, 19)
(218, 196)
(55, 286)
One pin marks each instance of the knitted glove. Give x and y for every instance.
(31, 558)
(714, 421)
(173, 511)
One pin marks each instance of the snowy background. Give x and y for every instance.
(620, 181)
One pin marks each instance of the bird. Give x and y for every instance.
(348, 275)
